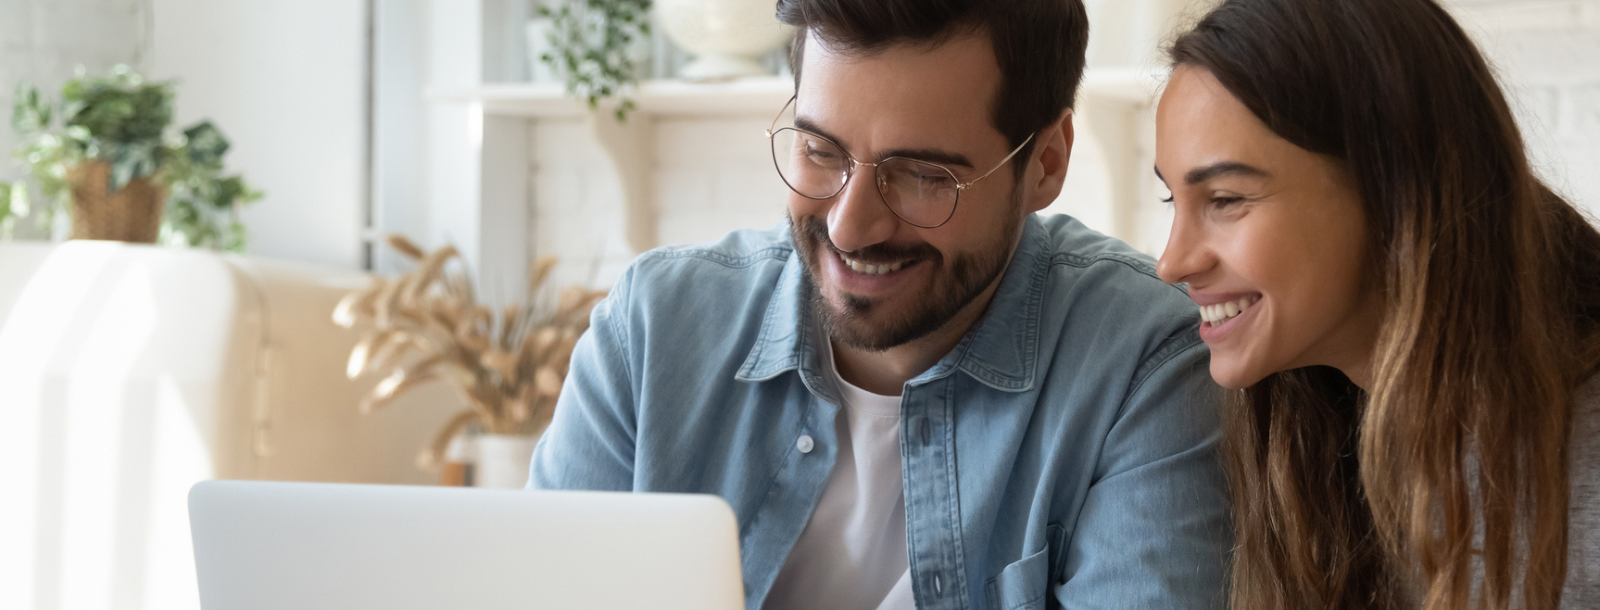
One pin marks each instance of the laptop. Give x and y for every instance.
(304, 546)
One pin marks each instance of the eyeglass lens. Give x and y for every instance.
(922, 194)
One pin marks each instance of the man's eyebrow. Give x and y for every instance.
(1225, 168)
(931, 155)
(811, 126)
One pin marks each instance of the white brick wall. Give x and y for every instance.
(1547, 53)
(712, 176)
(577, 203)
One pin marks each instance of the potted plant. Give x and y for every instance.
(113, 166)
(507, 363)
(593, 46)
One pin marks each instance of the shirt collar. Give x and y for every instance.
(1000, 351)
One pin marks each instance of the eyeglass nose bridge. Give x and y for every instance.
(879, 180)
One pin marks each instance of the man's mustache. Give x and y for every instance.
(817, 232)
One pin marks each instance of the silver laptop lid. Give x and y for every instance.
(281, 546)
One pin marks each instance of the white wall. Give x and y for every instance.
(1547, 53)
(400, 114)
(285, 80)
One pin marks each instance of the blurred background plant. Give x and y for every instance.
(121, 120)
(594, 48)
(507, 363)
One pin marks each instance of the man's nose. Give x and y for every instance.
(859, 217)
(1185, 255)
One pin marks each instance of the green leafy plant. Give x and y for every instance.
(121, 119)
(13, 204)
(592, 42)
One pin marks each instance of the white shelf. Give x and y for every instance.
(630, 146)
(654, 97)
(750, 96)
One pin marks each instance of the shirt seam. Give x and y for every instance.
(758, 366)
(1174, 347)
(623, 338)
(1006, 381)
(732, 262)
(1084, 262)
(783, 465)
(958, 543)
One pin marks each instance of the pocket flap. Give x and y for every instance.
(1023, 584)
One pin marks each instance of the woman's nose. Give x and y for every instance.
(1185, 255)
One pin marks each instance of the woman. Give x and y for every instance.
(1412, 317)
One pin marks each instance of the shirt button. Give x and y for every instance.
(805, 444)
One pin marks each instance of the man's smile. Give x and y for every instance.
(871, 269)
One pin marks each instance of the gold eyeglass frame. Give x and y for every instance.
(850, 171)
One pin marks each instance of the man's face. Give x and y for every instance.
(878, 281)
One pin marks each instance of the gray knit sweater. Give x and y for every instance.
(1583, 521)
(1582, 590)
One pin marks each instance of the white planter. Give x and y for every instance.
(725, 36)
(503, 460)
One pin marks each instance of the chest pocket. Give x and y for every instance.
(1025, 584)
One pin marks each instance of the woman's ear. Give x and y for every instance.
(1053, 156)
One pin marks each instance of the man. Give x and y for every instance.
(917, 391)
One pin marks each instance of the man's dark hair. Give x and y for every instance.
(1039, 45)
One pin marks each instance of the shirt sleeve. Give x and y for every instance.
(589, 444)
(1154, 531)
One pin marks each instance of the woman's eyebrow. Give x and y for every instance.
(1225, 168)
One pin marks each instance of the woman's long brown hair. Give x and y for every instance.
(1447, 485)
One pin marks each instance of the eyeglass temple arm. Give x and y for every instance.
(1014, 152)
(1002, 163)
(774, 125)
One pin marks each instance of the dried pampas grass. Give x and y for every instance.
(508, 364)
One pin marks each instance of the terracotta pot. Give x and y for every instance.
(132, 213)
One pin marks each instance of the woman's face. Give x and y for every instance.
(1270, 237)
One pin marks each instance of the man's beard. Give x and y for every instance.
(953, 287)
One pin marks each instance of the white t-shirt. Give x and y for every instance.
(852, 554)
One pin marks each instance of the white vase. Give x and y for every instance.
(725, 36)
(503, 460)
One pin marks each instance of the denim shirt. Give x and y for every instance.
(1062, 455)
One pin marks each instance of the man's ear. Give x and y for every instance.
(1051, 158)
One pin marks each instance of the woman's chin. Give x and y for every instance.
(1233, 375)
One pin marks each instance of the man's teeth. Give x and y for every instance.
(1222, 312)
(867, 269)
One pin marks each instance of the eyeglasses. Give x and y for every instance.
(921, 193)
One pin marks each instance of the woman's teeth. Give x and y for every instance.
(867, 269)
(1222, 312)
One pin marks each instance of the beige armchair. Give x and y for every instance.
(127, 373)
